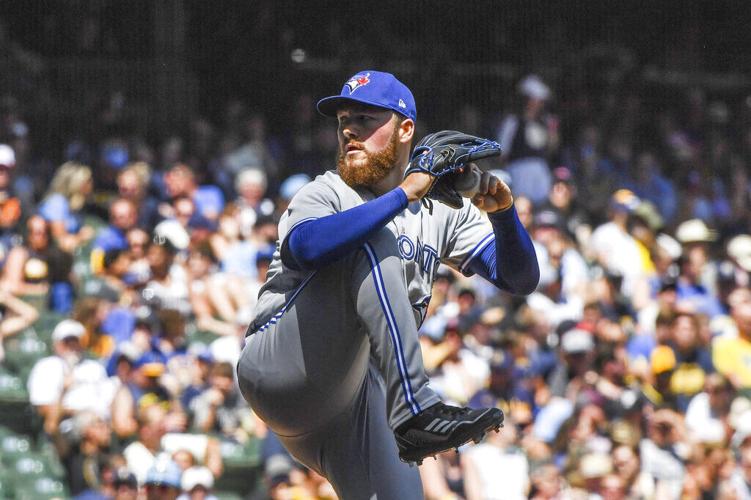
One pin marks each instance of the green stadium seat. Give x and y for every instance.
(6, 484)
(40, 488)
(28, 465)
(227, 495)
(46, 323)
(22, 352)
(241, 467)
(49, 454)
(14, 447)
(12, 389)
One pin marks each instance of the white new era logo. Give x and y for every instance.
(401, 104)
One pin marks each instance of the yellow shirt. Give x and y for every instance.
(732, 358)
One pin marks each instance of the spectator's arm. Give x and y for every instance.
(204, 319)
(123, 418)
(434, 355)
(472, 486)
(204, 409)
(23, 315)
(53, 413)
(434, 483)
(214, 457)
(67, 241)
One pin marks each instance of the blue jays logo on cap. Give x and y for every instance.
(373, 88)
(357, 81)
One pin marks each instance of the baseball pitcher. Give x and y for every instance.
(332, 362)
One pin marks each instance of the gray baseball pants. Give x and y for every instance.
(340, 369)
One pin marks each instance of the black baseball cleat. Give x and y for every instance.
(442, 427)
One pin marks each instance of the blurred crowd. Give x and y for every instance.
(625, 375)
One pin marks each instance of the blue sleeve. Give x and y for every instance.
(316, 243)
(55, 209)
(510, 264)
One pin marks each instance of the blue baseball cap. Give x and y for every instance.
(374, 88)
(164, 473)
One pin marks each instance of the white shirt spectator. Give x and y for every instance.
(618, 252)
(701, 424)
(88, 389)
(502, 474)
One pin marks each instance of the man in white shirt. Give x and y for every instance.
(612, 245)
(66, 378)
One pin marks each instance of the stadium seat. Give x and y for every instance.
(227, 495)
(40, 488)
(241, 467)
(23, 351)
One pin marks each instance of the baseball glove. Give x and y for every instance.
(442, 154)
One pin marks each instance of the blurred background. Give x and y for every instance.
(147, 150)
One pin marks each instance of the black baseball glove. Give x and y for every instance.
(442, 154)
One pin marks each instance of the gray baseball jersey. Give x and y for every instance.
(326, 346)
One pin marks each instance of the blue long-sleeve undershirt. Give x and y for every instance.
(510, 263)
(319, 242)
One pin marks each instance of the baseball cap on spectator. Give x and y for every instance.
(171, 234)
(739, 249)
(68, 328)
(662, 360)
(115, 156)
(265, 253)
(201, 352)
(548, 218)
(7, 156)
(501, 361)
(493, 316)
(563, 174)
(647, 212)
(577, 341)
(668, 284)
(624, 200)
(533, 87)
(123, 477)
(742, 434)
(201, 222)
(740, 411)
(594, 465)
(277, 469)
(373, 88)
(254, 176)
(695, 231)
(292, 185)
(151, 364)
(164, 473)
(669, 245)
(196, 476)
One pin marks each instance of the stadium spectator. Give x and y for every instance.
(67, 378)
(180, 180)
(220, 409)
(527, 138)
(81, 442)
(64, 202)
(39, 270)
(730, 352)
(133, 184)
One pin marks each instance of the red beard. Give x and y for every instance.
(377, 167)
